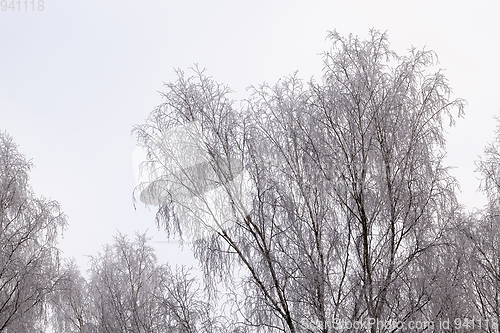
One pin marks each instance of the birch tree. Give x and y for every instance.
(344, 196)
(484, 236)
(72, 303)
(131, 292)
(29, 258)
(381, 147)
(124, 280)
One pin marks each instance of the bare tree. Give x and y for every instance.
(184, 305)
(483, 233)
(29, 259)
(72, 304)
(216, 213)
(380, 146)
(130, 292)
(348, 195)
(124, 280)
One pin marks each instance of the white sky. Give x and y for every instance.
(75, 78)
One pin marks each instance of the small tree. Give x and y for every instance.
(72, 303)
(29, 259)
(124, 281)
(131, 292)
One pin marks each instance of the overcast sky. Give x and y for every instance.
(76, 77)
